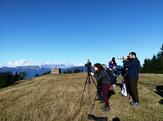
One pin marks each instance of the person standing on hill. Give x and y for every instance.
(112, 64)
(102, 77)
(132, 64)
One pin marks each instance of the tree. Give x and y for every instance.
(6, 79)
(22, 75)
(16, 77)
(77, 71)
(160, 59)
(146, 66)
(46, 73)
(155, 64)
(37, 75)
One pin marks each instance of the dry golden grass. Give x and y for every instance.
(57, 98)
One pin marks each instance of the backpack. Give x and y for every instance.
(112, 76)
(110, 73)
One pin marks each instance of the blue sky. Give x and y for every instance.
(70, 31)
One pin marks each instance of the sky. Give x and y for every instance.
(71, 31)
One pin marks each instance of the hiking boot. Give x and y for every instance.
(131, 103)
(135, 105)
(106, 108)
(91, 117)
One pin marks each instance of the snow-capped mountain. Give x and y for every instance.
(32, 71)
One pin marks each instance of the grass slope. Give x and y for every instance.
(57, 98)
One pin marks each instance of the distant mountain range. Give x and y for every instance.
(32, 71)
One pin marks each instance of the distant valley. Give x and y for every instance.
(32, 71)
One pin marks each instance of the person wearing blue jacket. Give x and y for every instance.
(132, 64)
(112, 64)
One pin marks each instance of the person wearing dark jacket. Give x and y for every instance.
(132, 65)
(112, 64)
(102, 77)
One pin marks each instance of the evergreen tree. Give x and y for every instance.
(37, 75)
(16, 77)
(155, 64)
(160, 59)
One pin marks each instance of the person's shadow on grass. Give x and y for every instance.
(159, 91)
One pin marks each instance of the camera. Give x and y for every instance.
(89, 66)
(124, 58)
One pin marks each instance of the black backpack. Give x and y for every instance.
(112, 76)
(110, 73)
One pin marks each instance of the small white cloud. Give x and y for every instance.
(19, 63)
(24, 62)
(78, 64)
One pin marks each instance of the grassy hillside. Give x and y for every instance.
(57, 98)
